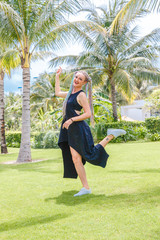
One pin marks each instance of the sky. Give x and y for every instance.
(14, 84)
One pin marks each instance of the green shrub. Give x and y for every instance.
(13, 139)
(37, 140)
(153, 124)
(50, 140)
(153, 137)
(135, 130)
(141, 132)
(45, 140)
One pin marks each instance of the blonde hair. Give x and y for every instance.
(87, 79)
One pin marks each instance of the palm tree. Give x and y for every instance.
(33, 27)
(120, 58)
(8, 60)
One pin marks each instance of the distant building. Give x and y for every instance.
(137, 111)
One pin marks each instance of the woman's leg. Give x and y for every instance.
(106, 140)
(77, 160)
(112, 133)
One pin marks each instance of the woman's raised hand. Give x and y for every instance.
(59, 71)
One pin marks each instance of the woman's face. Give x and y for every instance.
(79, 80)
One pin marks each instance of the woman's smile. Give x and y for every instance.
(79, 80)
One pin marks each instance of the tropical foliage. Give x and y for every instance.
(42, 93)
(102, 107)
(119, 59)
(153, 102)
(41, 121)
(13, 111)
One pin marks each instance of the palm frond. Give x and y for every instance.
(9, 59)
(62, 34)
(12, 27)
(147, 42)
(52, 14)
(146, 74)
(132, 10)
(41, 55)
(124, 83)
(136, 62)
(69, 60)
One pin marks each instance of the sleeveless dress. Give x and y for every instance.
(79, 137)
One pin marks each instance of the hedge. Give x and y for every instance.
(13, 139)
(38, 140)
(153, 124)
(45, 140)
(148, 130)
(135, 131)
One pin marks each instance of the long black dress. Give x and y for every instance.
(79, 137)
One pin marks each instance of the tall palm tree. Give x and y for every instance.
(8, 60)
(33, 27)
(120, 58)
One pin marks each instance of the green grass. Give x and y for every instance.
(37, 203)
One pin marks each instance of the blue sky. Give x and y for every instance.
(12, 84)
(146, 24)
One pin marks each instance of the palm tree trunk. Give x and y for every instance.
(91, 104)
(25, 149)
(2, 122)
(114, 102)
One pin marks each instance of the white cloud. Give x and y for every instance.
(39, 67)
(149, 23)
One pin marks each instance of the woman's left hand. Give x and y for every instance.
(67, 123)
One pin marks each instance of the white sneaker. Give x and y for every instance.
(116, 132)
(83, 191)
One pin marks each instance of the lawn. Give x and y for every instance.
(37, 203)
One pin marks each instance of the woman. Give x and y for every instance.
(75, 138)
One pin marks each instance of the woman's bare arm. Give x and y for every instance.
(58, 91)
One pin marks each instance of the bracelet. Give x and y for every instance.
(71, 119)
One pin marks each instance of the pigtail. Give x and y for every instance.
(86, 89)
(91, 101)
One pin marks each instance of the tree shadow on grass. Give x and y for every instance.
(40, 167)
(35, 167)
(6, 226)
(149, 170)
(125, 199)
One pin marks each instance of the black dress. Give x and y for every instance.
(79, 137)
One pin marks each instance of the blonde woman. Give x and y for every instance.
(75, 138)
